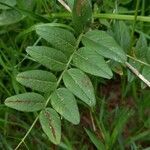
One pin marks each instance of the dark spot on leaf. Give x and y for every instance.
(47, 114)
(86, 82)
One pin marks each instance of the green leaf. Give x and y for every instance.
(92, 62)
(148, 55)
(130, 74)
(95, 140)
(80, 85)
(141, 48)
(116, 67)
(28, 102)
(104, 44)
(122, 34)
(121, 119)
(49, 57)
(8, 2)
(65, 104)
(51, 124)
(124, 2)
(39, 80)
(82, 14)
(8, 17)
(146, 74)
(26, 4)
(59, 38)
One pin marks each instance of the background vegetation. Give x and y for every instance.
(121, 118)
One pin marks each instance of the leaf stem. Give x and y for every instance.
(36, 42)
(135, 59)
(134, 24)
(47, 101)
(136, 72)
(65, 5)
(105, 16)
(27, 133)
(92, 121)
(143, 12)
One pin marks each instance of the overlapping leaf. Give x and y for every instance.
(82, 14)
(148, 55)
(49, 57)
(104, 44)
(65, 104)
(92, 62)
(51, 124)
(141, 48)
(80, 85)
(8, 2)
(146, 74)
(59, 38)
(39, 80)
(122, 34)
(9, 17)
(70, 3)
(28, 102)
(95, 140)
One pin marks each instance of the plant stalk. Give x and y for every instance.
(137, 73)
(134, 24)
(105, 16)
(47, 101)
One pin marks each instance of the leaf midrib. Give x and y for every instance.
(35, 79)
(44, 56)
(62, 40)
